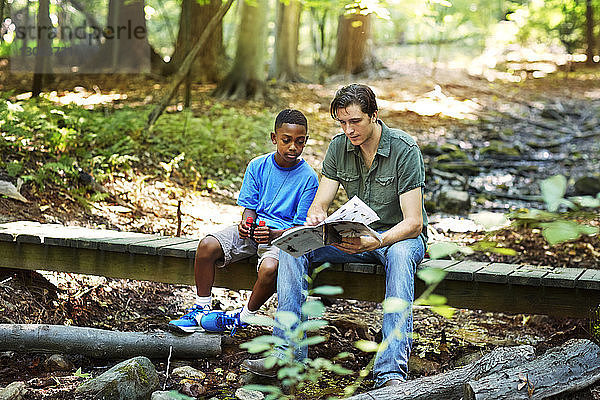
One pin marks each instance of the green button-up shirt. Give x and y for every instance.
(397, 168)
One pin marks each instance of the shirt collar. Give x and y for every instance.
(383, 148)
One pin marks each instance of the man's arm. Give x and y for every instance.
(409, 227)
(325, 195)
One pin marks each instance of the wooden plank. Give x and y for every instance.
(152, 247)
(464, 270)
(360, 267)
(438, 263)
(494, 273)
(26, 238)
(6, 237)
(562, 277)
(121, 245)
(183, 250)
(527, 275)
(590, 279)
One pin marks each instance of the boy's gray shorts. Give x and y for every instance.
(236, 248)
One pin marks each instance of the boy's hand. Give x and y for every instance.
(262, 235)
(244, 230)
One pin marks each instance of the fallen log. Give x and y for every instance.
(449, 385)
(566, 369)
(100, 343)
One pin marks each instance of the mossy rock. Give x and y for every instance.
(500, 148)
(465, 167)
(133, 379)
(456, 155)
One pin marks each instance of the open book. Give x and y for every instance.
(350, 220)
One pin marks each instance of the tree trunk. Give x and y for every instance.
(589, 32)
(449, 385)
(100, 343)
(352, 54)
(208, 66)
(186, 65)
(127, 51)
(284, 66)
(246, 80)
(44, 47)
(571, 367)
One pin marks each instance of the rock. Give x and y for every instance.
(57, 362)
(466, 167)
(422, 366)
(588, 185)
(132, 379)
(245, 394)
(14, 391)
(453, 201)
(10, 190)
(500, 148)
(162, 395)
(192, 388)
(188, 372)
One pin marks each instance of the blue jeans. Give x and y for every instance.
(400, 261)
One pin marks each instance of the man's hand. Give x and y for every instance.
(262, 234)
(357, 245)
(315, 217)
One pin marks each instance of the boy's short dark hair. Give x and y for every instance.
(289, 116)
(356, 93)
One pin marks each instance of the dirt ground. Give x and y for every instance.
(126, 305)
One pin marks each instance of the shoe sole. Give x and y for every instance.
(185, 329)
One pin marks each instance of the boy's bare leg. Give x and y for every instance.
(208, 252)
(265, 285)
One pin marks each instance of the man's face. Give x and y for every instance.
(290, 140)
(357, 125)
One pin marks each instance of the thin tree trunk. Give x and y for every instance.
(100, 343)
(246, 80)
(353, 33)
(449, 385)
(42, 59)
(208, 67)
(284, 66)
(589, 32)
(186, 65)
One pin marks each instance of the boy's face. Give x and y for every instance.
(290, 140)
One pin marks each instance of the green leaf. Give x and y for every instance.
(338, 369)
(261, 320)
(270, 362)
(586, 201)
(442, 249)
(293, 372)
(490, 220)
(286, 318)
(321, 268)
(560, 231)
(367, 346)
(327, 290)
(313, 309)
(504, 251)
(312, 325)
(263, 388)
(435, 300)
(444, 311)
(311, 341)
(431, 276)
(342, 355)
(255, 347)
(553, 190)
(394, 305)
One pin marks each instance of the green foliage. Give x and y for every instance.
(45, 143)
(294, 374)
(80, 374)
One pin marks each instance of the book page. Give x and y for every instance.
(300, 240)
(354, 210)
(353, 229)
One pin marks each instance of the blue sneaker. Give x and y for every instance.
(190, 322)
(220, 321)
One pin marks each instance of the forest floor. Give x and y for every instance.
(453, 99)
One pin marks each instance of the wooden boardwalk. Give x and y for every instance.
(570, 292)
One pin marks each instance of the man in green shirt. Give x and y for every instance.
(384, 168)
